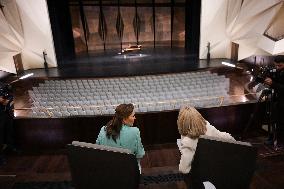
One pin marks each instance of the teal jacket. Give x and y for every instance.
(129, 138)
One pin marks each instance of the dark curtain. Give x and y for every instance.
(61, 26)
(192, 26)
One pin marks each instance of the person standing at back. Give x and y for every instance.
(277, 84)
(119, 132)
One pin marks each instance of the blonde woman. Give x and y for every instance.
(191, 125)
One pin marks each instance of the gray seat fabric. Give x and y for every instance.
(149, 93)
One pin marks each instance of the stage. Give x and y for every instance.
(111, 64)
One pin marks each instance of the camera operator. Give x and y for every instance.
(277, 84)
(6, 125)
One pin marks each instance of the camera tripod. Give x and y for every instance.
(266, 96)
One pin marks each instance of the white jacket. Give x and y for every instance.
(188, 146)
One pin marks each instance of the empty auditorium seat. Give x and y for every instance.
(196, 89)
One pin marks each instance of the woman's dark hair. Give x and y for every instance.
(113, 127)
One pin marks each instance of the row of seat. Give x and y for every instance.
(137, 78)
(83, 109)
(164, 80)
(53, 99)
(125, 83)
(121, 98)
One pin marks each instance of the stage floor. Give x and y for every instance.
(111, 64)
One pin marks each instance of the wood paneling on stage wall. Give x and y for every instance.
(146, 29)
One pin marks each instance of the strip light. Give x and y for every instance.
(228, 64)
(26, 76)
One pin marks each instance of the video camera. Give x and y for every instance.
(5, 91)
(264, 72)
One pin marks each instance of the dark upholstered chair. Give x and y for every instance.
(96, 166)
(225, 164)
(7, 181)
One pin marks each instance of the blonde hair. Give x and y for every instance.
(191, 123)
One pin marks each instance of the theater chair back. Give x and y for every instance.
(225, 164)
(96, 166)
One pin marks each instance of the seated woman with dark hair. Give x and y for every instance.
(119, 132)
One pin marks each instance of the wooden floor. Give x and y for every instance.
(110, 64)
(159, 159)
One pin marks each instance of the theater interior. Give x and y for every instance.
(69, 63)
